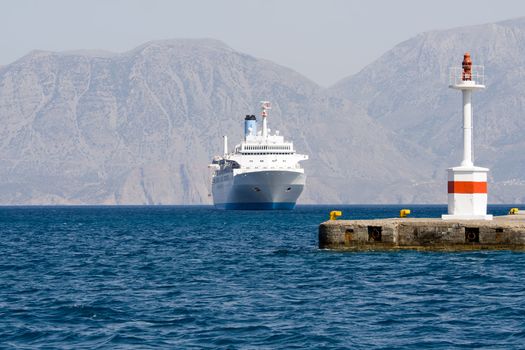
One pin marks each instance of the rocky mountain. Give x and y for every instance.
(406, 91)
(140, 127)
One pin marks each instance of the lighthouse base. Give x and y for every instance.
(467, 217)
(467, 194)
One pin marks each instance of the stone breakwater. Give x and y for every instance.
(504, 232)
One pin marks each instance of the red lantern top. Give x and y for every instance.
(467, 67)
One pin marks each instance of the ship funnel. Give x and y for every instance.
(250, 126)
(225, 138)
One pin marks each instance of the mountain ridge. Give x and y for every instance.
(139, 127)
(406, 90)
(128, 129)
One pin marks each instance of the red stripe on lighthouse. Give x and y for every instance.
(467, 187)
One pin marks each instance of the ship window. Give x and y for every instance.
(262, 160)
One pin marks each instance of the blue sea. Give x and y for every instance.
(195, 277)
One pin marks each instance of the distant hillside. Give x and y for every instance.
(406, 91)
(140, 127)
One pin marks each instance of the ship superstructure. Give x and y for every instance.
(262, 172)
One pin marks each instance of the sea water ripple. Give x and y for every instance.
(195, 277)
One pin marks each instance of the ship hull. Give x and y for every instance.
(261, 190)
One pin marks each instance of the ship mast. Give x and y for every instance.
(265, 106)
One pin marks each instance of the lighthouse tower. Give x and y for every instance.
(467, 184)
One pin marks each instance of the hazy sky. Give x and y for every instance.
(325, 40)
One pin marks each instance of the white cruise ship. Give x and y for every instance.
(262, 172)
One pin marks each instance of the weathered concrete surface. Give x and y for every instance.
(504, 232)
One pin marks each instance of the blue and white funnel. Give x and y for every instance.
(250, 126)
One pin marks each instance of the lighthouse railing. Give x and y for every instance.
(477, 75)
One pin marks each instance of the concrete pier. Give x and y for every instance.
(504, 232)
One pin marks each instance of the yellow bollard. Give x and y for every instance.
(334, 214)
(403, 213)
(513, 211)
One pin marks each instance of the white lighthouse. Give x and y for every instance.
(467, 184)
